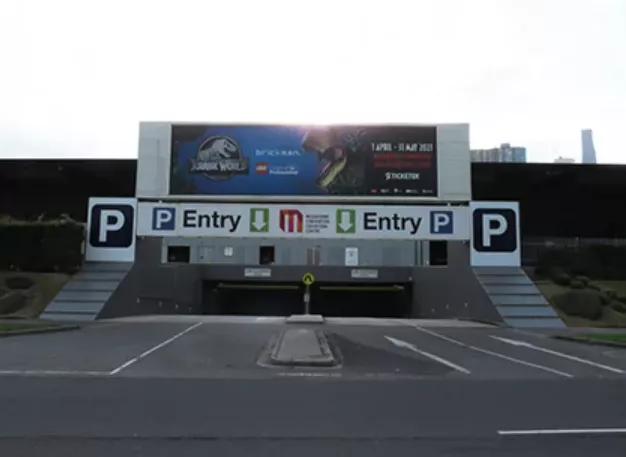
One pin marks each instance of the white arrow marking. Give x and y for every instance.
(411, 347)
(258, 219)
(491, 353)
(558, 354)
(574, 431)
(512, 342)
(345, 223)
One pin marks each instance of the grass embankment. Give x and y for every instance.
(46, 286)
(17, 327)
(609, 318)
(614, 339)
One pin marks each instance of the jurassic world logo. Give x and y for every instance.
(219, 158)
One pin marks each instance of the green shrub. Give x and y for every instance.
(541, 273)
(562, 280)
(610, 293)
(606, 300)
(619, 307)
(583, 279)
(12, 302)
(576, 284)
(41, 246)
(582, 303)
(594, 286)
(19, 282)
(621, 298)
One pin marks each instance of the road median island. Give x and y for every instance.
(8, 328)
(601, 339)
(303, 347)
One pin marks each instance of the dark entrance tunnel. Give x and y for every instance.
(285, 299)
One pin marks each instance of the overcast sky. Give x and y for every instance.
(76, 77)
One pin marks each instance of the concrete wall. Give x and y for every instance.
(152, 287)
(453, 291)
(298, 252)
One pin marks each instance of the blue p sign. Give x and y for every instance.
(163, 218)
(441, 223)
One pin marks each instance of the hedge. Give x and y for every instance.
(594, 262)
(583, 303)
(41, 246)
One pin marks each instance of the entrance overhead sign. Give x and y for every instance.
(303, 221)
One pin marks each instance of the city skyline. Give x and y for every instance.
(588, 148)
(74, 89)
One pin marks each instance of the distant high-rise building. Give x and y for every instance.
(505, 153)
(564, 160)
(589, 151)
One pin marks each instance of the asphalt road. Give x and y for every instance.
(159, 388)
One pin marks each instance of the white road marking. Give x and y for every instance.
(310, 375)
(411, 347)
(153, 349)
(573, 431)
(557, 354)
(52, 373)
(492, 353)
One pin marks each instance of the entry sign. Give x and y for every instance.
(308, 279)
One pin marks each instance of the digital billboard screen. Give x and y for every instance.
(263, 160)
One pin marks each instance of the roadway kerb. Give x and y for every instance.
(34, 327)
(583, 340)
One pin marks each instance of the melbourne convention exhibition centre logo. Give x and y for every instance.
(219, 158)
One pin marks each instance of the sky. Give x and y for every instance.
(76, 77)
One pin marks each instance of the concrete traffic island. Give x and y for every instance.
(303, 347)
(305, 319)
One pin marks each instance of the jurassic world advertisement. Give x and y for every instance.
(264, 160)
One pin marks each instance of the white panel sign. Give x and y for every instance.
(111, 230)
(303, 221)
(495, 234)
(257, 273)
(364, 274)
(352, 257)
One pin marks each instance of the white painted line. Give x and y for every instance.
(558, 354)
(573, 431)
(494, 354)
(155, 348)
(310, 375)
(51, 373)
(411, 347)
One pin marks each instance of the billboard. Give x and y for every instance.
(303, 221)
(263, 160)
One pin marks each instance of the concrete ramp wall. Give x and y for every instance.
(517, 299)
(84, 296)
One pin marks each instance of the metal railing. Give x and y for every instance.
(533, 246)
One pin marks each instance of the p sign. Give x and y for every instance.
(163, 218)
(495, 234)
(441, 222)
(111, 230)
